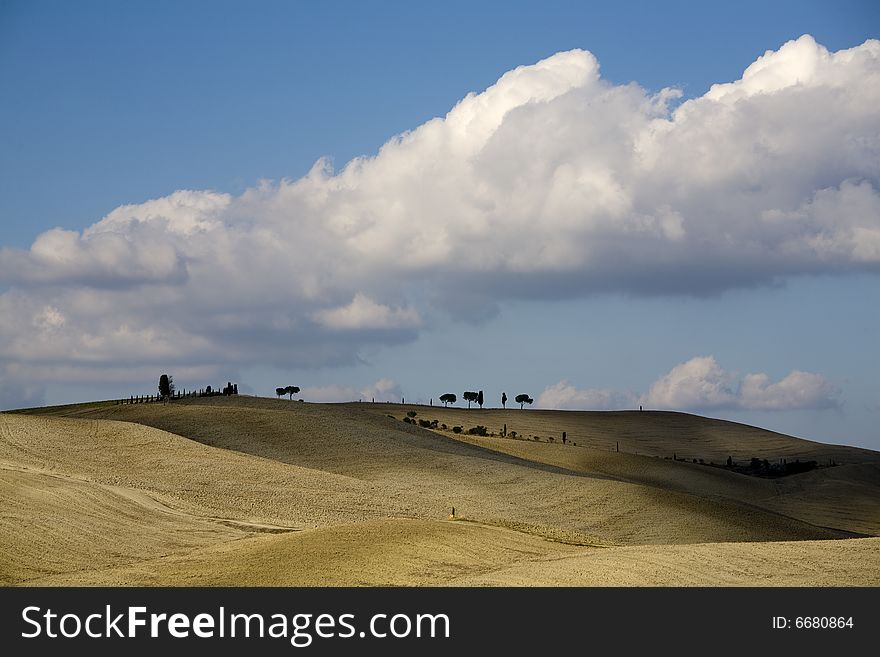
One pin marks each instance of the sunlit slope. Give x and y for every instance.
(77, 495)
(650, 433)
(845, 497)
(258, 491)
(424, 474)
(185, 475)
(442, 553)
(851, 562)
(389, 552)
(53, 524)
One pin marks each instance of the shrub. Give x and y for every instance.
(443, 426)
(407, 420)
(456, 429)
(411, 413)
(478, 430)
(425, 423)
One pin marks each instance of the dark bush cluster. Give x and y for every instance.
(757, 467)
(763, 468)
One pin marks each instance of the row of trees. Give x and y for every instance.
(289, 390)
(477, 398)
(167, 389)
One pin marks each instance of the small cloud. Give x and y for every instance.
(364, 313)
(382, 390)
(563, 395)
(328, 394)
(49, 319)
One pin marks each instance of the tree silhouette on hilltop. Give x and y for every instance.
(523, 399)
(166, 386)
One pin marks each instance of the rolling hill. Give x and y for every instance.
(222, 490)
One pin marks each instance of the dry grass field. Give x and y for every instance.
(254, 491)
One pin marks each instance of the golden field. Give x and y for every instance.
(253, 491)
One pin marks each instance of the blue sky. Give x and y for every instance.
(110, 104)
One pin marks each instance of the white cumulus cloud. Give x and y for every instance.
(701, 384)
(697, 383)
(797, 390)
(565, 396)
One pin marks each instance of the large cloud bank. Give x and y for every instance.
(552, 183)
